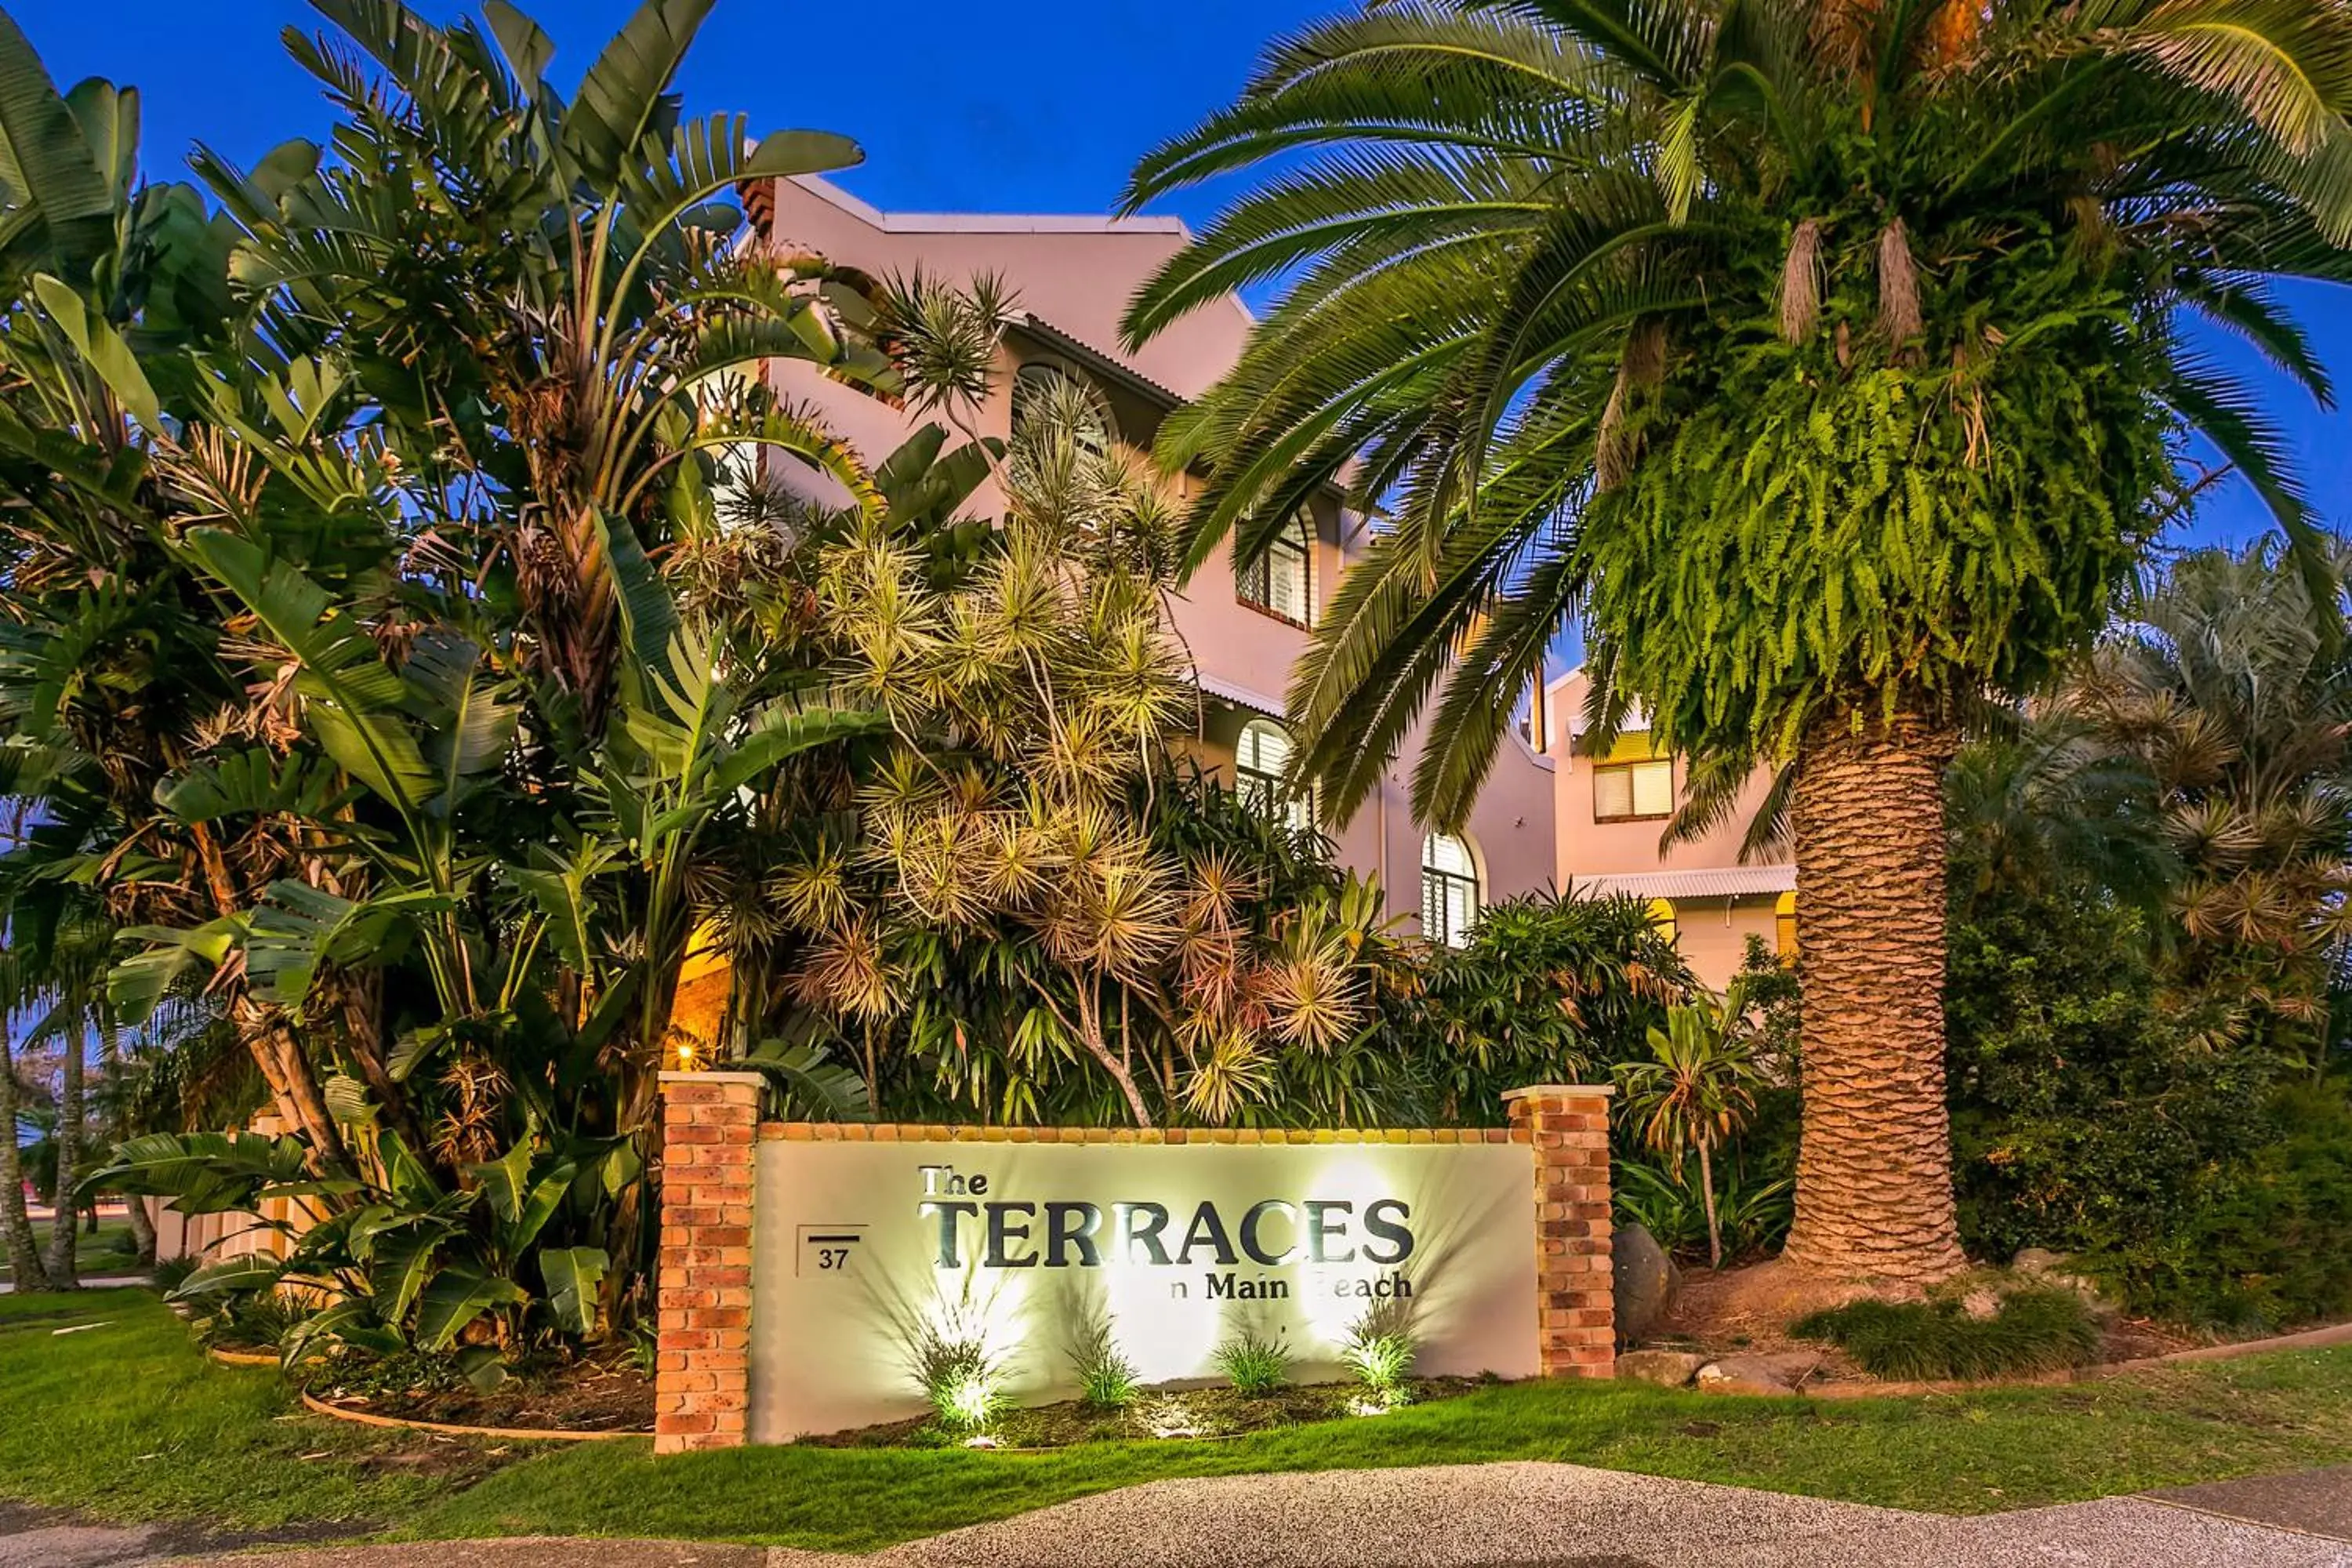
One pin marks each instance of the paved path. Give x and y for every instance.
(1463, 1516)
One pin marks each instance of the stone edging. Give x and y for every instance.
(525, 1433)
(240, 1358)
(916, 1132)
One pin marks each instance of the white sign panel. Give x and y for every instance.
(862, 1248)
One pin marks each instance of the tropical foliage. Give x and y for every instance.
(1827, 362)
(336, 666)
(1698, 1090)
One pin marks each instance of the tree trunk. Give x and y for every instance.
(269, 1040)
(1706, 1195)
(110, 1054)
(64, 1224)
(1874, 1168)
(15, 1225)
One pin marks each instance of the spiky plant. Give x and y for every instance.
(1826, 360)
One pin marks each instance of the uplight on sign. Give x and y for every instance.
(864, 1249)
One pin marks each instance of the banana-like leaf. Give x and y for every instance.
(249, 1271)
(506, 1181)
(404, 1260)
(455, 1298)
(625, 98)
(102, 348)
(525, 45)
(44, 161)
(782, 732)
(170, 961)
(109, 118)
(296, 928)
(571, 1276)
(351, 1322)
(347, 1100)
(351, 697)
(253, 782)
(648, 609)
(469, 716)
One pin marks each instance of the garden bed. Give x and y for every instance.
(610, 1396)
(1157, 1415)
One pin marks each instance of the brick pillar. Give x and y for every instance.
(1576, 1308)
(703, 1355)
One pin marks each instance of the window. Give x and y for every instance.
(1449, 890)
(1039, 382)
(1282, 581)
(1634, 792)
(1259, 761)
(1662, 920)
(1784, 925)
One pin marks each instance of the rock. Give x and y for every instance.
(2036, 1260)
(1645, 1283)
(2044, 1268)
(1667, 1369)
(1775, 1373)
(1980, 1304)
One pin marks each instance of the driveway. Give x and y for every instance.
(1463, 1516)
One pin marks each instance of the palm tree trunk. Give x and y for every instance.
(109, 1055)
(1874, 1169)
(1706, 1195)
(63, 1225)
(15, 1225)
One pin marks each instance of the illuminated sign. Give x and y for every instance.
(864, 1250)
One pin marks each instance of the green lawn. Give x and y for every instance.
(109, 1252)
(128, 1421)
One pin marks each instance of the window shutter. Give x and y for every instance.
(1653, 788)
(1612, 792)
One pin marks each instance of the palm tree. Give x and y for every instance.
(1824, 359)
(2241, 714)
(1697, 1090)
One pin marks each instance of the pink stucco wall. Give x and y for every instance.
(1076, 274)
(1711, 931)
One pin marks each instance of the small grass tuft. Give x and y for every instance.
(1253, 1365)
(2034, 1331)
(1379, 1351)
(1106, 1379)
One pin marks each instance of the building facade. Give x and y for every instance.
(1611, 811)
(1073, 278)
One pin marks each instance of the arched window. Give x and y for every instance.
(1449, 890)
(1259, 761)
(1282, 581)
(1039, 381)
(1662, 918)
(1784, 925)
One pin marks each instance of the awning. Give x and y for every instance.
(1732, 882)
(1240, 696)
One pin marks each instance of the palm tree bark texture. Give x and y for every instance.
(1874, 1172)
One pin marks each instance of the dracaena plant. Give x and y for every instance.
(1824, 361)
(1018, 887)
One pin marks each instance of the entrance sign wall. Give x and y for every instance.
(803, 1265)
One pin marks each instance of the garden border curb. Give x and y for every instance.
(240, 1358)
(451, 1429)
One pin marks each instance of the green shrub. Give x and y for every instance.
(170, 1273)
(1379, 1351)
(1106, 1379)
(2096, 1114)
(2268, 1243)
(1755, 1215)
(2034, 1331)
(963, 1380)
(1255, 1365)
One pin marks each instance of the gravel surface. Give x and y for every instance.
(1458, 1516)
(1564, 1516)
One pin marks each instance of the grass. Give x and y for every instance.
(129, 1422)
(108, 1252)
(2032, 1330)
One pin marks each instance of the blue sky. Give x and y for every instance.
(1026, 106)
